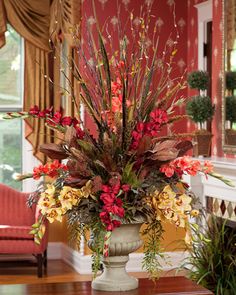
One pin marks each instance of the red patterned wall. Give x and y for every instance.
(192, 45)
(216, 77)
(187, 55)
(162, 10)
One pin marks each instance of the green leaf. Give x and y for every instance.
(33, 232)
(35, 225)
(37, 241)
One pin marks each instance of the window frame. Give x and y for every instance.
(28, 161)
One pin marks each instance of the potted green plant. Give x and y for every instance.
(230, 115)
(198, 80)
(200, 109)
(230, 82)
(212, 257)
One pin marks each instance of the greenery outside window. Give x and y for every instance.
(11, 99)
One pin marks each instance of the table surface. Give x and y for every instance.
(164, 286)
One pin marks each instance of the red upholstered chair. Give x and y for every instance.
(16, 219)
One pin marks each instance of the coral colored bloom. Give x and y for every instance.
(116, 103)
(167, 170)
(208, 167)
(159, 116)
(194, 167)
(50, 169)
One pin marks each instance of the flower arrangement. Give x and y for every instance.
(131, 169)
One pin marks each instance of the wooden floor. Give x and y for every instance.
(58, 271)
(165, 286)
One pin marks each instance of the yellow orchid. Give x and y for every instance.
(54, 214)
(86, 190)
(69, 197)
(171, 206)
(183, 202)
(47, 199)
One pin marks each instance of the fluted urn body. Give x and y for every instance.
(124, 240)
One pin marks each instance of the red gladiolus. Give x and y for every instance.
(66, 121)
(50, 169)
(79, 132)
(113, 206)
(34, 110)
(159, 116)
(57, 117)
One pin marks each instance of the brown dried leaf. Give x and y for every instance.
(165, 155)
(77, 154)
(70, 136)
(53, 151)
(183, 147)
(144, 145)
(75, 182)
(115, 178)
(78, 169)
(167, 144)
(96, 184)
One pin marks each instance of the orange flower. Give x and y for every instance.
(208, 167)
(168, 170)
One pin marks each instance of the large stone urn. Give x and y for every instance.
(124, 240)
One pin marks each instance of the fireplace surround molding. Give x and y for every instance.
(222, 197)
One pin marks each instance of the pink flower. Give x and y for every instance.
(208, 167)
(105, 217)
(194, 168)
(159, 116)
(121, 65)
(115, 188)
(113, 225)
(117, 103)
(116, 223)
(167, 170)
(57, 117)
(75, 122)
(140, 127)
(34, 110)
(115, 208)
(134, 145)
(126, 188)
(66, 121)
(107, 198)
(136, 135)
(79, 132)
(183, 162)
(106, 188)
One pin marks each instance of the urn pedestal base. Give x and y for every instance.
(115, 277)
(124, 240)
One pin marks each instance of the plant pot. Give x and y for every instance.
(124, 240)
(202, 144)
(230, 137)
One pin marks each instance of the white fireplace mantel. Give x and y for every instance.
(214, 188)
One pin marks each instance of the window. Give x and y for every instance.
(11, 94)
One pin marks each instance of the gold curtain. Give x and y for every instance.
(30, 18)
(66, 20)
(65, 26)
(231, 23)
(37, 22)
